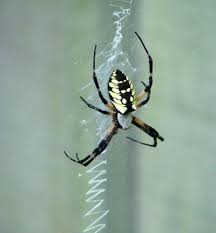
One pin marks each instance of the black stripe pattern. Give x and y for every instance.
(121, 92)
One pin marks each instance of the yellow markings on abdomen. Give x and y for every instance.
(117, 101)
(115, 95)
(121, 92)
(115, 81)
(121, 108)
(115, 90)
(112, 85)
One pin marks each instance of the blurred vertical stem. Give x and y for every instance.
(120, 165)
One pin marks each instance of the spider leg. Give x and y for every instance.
(147, 87)
(95, 108)
(98, 150)
(74, 160)
(145, 101)
(147, 129)
(105, 102)
(142, 143)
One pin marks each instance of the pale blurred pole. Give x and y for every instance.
(120, 158)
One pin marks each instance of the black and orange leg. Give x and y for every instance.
(95, 108)
(145, 101)
(147, 89)
(105, 102)
(98, 150)
(147, 129)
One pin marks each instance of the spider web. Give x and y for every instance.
(109, 57)
(114, 55)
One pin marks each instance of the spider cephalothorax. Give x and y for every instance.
(123, 103)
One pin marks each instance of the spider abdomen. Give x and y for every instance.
(121, 92)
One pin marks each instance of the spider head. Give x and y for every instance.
(124, 120)
(121, 92)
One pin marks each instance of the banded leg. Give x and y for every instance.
(147, 87)
(105, 102)
(145, 101)
(98, 150)
(147, 129)
(95, 108)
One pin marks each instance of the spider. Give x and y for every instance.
(123, 103)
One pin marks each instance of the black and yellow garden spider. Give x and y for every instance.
(123, 103)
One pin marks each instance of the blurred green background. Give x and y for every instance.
(46, 58)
